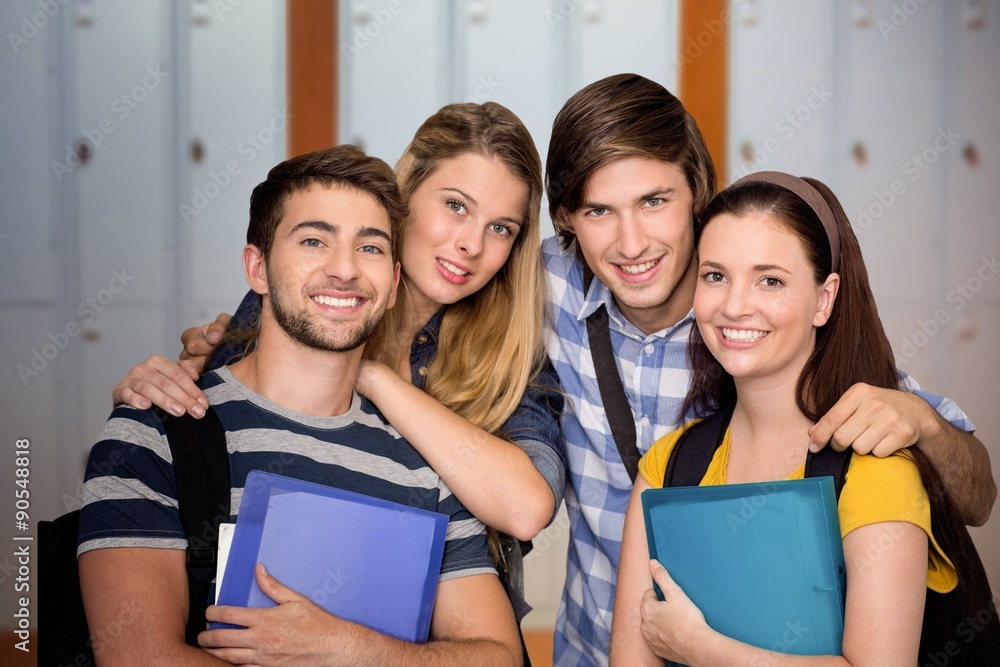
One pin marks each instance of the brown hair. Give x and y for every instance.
(621, 116)
(345, 166)
(851, 347)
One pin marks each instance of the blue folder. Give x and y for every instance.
(364, 559)
(764, 561)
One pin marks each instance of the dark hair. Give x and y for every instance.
(851, 347)
(345, 166)
(621, 116)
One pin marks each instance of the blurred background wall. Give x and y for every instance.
(132, 132)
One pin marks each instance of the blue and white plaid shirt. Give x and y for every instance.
(655, 373)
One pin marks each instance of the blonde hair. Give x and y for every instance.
(490, 344)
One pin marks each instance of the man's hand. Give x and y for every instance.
(882, 421)
(296, 632)
(473, 624)
(875, 421)
(200, 342)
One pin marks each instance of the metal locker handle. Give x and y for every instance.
(83, 151)
(860, 153)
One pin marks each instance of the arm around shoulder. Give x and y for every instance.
(963, 462)
(881, 421)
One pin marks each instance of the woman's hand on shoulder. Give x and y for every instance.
(166, 384)
(200, 342)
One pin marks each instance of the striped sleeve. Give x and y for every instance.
(129, 491)
(465, 549)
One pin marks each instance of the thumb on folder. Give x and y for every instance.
(670, 627)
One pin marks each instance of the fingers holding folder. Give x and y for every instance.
(666, 625)
(291, 633)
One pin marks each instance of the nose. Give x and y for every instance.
(342, 264)
(469, 240)
(738, 302)
(632, 239)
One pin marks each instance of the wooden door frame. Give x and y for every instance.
(702, 59)
(312, 75)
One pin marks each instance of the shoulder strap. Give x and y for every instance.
(609, 382)
(828, 462)
(695, 448)
(201, 467)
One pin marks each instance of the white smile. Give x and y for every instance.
(743, 335)
(337, 303)
(451, 267)
(635, 269)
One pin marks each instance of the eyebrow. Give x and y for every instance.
(757, 267)
(661, 191)
(464, 194)
(334, 230)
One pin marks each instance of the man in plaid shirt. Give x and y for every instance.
(627, 176)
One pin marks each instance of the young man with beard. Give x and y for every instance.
(321, 253)
(627, 176)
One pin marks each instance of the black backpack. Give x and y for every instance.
(949, 635)
(201, 467)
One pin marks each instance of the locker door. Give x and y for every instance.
(29, 274)
(121, 197)
(892, 115)
(782, 97)
(891, 180)
(238, 130)
(609, 38)
(395, 66)
(968, 300)
(508, 52)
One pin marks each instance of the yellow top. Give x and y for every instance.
(875, 490)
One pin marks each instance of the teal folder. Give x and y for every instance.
(764, 562)
(364, 559)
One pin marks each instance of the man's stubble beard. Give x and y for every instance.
(304, 330)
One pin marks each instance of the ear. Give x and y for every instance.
(395, 286)
(827, 297)
(255, 269)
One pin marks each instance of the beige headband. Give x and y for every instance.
(810, 196)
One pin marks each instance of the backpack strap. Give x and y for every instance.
(201, 468)
(695, 448)
(609, 382)
(828, 462)
(693, 452)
